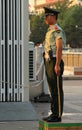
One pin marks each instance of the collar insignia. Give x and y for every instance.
(56, 27)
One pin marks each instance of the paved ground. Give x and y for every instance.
(72, 104)
(19, 125)
(72, 108)
(17, 111)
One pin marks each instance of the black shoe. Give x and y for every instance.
(49, 117)
(53, 119)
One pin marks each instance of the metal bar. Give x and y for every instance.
(12, 61)
(22, 6)
(19, 50)
(3, 95)
(8, 89)
(0, 47)
(14, 49)
(20, 89)
(11, 85)
(10, 47)
(17, 45)
(1, 71)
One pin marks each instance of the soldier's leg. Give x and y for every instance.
(61, 85)
(54, 95)
(52, 82)
(61, 94)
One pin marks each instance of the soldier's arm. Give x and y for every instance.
(58, 55)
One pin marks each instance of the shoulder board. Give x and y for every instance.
(56, 28)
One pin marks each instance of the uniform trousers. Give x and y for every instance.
(52, 83)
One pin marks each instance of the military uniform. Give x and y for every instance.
(54, 32)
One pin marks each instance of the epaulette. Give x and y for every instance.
(56, 28)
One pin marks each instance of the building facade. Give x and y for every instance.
(39, 4)
(14, 80)
(76, 2)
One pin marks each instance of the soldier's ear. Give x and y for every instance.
(46, 22)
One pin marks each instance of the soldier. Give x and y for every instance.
(54, 41)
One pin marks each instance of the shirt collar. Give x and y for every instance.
(52, 26)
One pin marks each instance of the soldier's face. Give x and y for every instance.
(50, 19)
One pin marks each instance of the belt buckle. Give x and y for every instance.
(46, 56)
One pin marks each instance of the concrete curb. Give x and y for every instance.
(72, 77)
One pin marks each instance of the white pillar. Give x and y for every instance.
(25, 52)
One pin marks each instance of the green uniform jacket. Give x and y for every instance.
(54, 32)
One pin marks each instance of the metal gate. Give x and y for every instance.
(11, 50)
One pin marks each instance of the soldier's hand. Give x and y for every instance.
(57, 69)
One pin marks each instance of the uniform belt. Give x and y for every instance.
(54, 56)
(47, 56)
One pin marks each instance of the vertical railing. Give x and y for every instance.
(11, 50)
(0, 46)
(2, 50)
(20, 92)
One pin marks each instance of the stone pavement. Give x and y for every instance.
(19, 125)
(18, 116)
(72, 109)
(17, 111)
(72, 105)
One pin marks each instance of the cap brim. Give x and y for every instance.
(49, 11)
